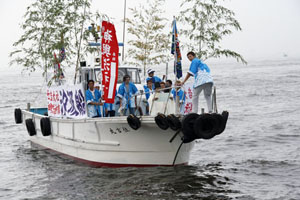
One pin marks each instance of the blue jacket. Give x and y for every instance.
(180, 94)
(93, 110)
(195, 65)
(197, 69)
(127, 96)
(154, 79)
(147, 91)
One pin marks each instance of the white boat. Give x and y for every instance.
(111, 141)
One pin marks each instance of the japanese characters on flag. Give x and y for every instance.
(110, 55)
(66, 101)
(188, 105)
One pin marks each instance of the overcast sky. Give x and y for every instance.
(271, 28)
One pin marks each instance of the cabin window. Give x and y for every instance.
(132, 72)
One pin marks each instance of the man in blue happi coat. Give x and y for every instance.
(151, 76)
(203, 81)
(148, 89)
(127, 93)
(93, 97)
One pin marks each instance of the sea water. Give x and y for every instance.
(256, 157)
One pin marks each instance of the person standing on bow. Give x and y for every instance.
(93, 97)
(203, 81)
(151, 76)
(127, 93)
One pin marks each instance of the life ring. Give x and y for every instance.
(45, 126)
(174, 122)
(18, 116)
(187, 127)
(133, 122)
(205, 126)
(161, 121)
(222, 126)
(30, 127)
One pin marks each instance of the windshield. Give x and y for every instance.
(132, 72)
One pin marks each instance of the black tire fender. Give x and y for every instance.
(188, 127)
(133, 122)
(174, 122)
(220, 120)
(224, 115)
(18, 116)
(45, 126)
(161, 121)
(205, 126)
(30, 127)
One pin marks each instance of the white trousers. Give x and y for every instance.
(207, 87)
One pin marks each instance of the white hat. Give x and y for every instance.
(150, 71)
(97, 85)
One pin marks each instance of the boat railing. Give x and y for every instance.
(155, 92)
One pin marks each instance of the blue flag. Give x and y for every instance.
(176, 51)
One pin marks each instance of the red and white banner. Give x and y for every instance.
(188, 105)
(110, 56)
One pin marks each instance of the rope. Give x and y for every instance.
(177, 153)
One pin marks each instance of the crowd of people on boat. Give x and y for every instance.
(126, 96)
(127, 93)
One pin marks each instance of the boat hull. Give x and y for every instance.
(110, 142)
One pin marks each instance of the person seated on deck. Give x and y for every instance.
(148, 89)
(151, 76)
(168, 85)
(93, 97)
(178, 91)
(157, 90)
(126, 92)
(159, 103)
(163, 86)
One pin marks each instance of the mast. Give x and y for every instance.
(124, 31)
(79, 47)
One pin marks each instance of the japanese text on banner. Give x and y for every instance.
(188, 90)
(110, 53)
(67, 101)
(53, 102)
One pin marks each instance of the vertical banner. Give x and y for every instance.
(110, 56)
(53, 102)
(188, 105)
(66, 101)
